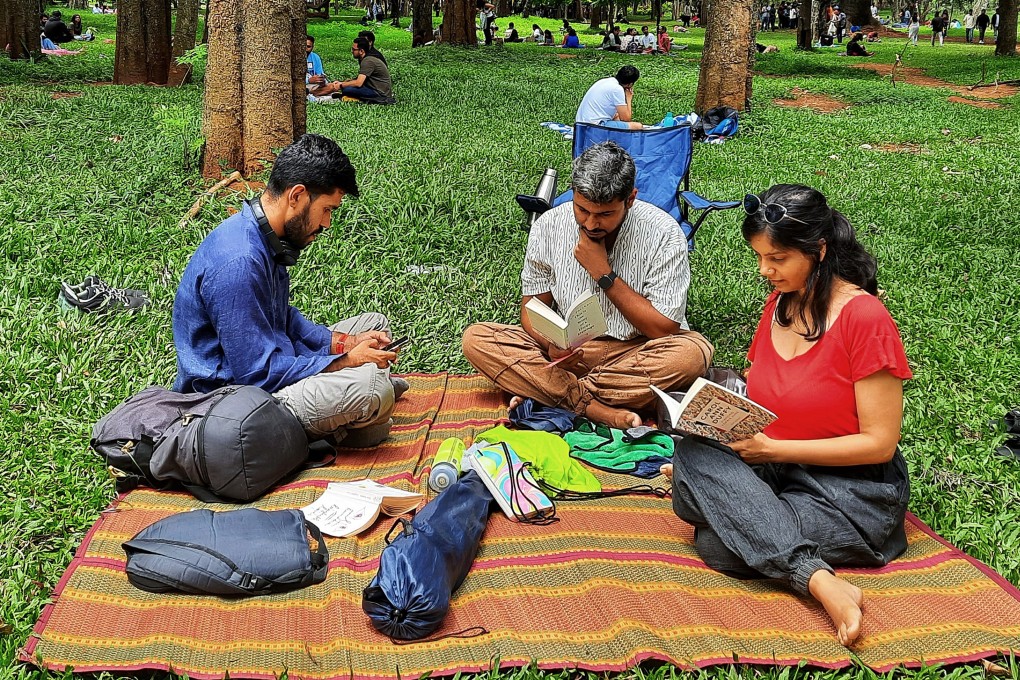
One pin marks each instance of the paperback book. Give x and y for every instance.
(348, 508)
(710, 410)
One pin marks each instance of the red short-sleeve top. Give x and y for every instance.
(813, 394)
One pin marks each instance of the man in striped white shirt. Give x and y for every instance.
(633, 256)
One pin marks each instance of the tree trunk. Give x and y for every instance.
(804, 25)
(817, 20)
(143, 42)
(596, 15)
(19, 27)
(725, 75)
(184, 38)
(395, 13)
(459, 23)
(1005, 44)
(421, 22)
(252, 105)
(503, 8)
(858, 12)
(205, 23)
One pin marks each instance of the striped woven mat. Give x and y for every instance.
(615, 582)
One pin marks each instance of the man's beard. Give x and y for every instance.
(295, 230)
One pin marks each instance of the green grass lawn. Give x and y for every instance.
(96, 183)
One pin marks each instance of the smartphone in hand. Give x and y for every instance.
(397, 344)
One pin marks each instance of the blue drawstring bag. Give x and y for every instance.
(531, 415)
(420, 569)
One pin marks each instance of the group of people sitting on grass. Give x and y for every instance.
(54, 33)
(371, 85)
(824, 485)
(633, 43)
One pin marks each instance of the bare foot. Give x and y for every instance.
(515, 401)
(613, 417)
(842, 602)
(667, 471)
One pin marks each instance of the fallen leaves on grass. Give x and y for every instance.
(65, 95)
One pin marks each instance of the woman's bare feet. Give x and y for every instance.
(613, 417)
(842, 602)
(667, 471)
(515, 401)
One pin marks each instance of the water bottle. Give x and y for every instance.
(668, 121)
(446, 464)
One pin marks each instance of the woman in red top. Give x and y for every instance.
(825, 484)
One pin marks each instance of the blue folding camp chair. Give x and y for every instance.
(662, 157)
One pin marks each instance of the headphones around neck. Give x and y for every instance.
(284, 252)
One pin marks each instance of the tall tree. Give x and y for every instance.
(143, 42)
(805, 22)
(596, 15)
(184, 35)
(1005, 44)
(19, 27)
(459, 23)
(421, 22)
(254, 84)
(858, 12)
(728, 58)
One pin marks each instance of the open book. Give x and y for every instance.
(348, 508)
(582, 322)
(509, 482)
(712, 411)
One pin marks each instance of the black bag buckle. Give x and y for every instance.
(406, 529)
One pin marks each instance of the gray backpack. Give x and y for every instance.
(230, 445)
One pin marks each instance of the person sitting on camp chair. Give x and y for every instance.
(633, 258)
(609, 101)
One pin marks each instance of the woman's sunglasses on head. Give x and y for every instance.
(772, 212)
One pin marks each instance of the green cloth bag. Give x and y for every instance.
(614, 450)
(549, 456)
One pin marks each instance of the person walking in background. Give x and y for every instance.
(996, 18)
(982, 22)
(840, 18)
(936, 30)
(913, 29)
(968, 25)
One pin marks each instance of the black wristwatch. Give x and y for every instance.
(606, 280)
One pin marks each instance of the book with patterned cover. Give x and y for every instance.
(710, 410)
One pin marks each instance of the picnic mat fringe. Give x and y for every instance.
(615, 582)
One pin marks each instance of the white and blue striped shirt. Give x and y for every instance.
(650, 255)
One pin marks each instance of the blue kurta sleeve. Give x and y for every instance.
(238, 297)
(311, 337)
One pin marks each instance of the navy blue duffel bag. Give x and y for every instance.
(423, 566)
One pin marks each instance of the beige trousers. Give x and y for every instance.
(352, 405)
(615, 372)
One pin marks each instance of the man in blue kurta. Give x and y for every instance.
(233, 322)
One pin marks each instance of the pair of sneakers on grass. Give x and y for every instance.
(95, 296)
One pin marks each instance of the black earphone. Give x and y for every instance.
(284, 252)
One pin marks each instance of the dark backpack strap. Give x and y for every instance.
(243, 581)
(205, 495)
(141, 456)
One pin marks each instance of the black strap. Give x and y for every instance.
(407, 529)
(473, 631)
(637, 490)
